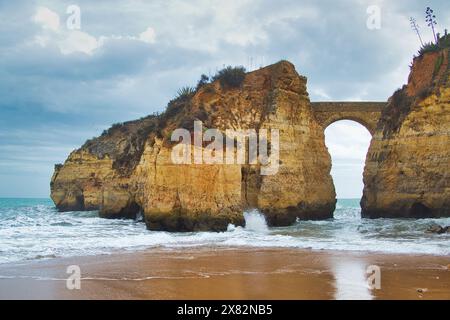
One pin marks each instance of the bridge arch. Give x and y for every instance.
(365, 113)
(369, 125)
(347, 144)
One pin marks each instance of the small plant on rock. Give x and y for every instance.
(204, 79)
(185, 93)
(231, 76)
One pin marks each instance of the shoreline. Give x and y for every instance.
(207, 247)
(231, 273)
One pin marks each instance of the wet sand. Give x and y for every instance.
(248, 273)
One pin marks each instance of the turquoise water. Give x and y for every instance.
(6, 203)
(33, 229)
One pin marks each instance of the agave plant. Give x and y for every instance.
(428, 47)
(185, 92)
(416, 28)
(430, 18)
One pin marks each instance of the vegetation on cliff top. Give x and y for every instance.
(230, 76)
(425, 79)
(439, 42)
(401, 103)
(443, 43)
(125, 142)
(398, 108)
(185, 93)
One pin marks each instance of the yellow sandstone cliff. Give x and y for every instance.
(129, 169)
(407, 171)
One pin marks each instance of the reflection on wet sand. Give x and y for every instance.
(206, 273)
(351, 280)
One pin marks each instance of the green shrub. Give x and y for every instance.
(428, 47)
(204, 79)
(173, 108)
(231, 76)
(444, 42)
(89, 142)
(115, 126)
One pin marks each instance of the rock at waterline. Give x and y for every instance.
(438, 229)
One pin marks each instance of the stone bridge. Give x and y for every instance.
(365, 113)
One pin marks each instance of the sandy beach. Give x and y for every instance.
(229, 273)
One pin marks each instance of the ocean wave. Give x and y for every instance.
(38, 231)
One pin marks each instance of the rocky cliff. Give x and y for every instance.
(407, 171)
(129, 170)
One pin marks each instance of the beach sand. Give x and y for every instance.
(230, 273)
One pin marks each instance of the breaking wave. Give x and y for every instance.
(32, 229)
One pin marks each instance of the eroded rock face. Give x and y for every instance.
(129, 169)
(407, 171)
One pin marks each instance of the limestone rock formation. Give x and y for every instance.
(128, 169)
(407, 171)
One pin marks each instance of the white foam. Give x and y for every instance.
(40, 232)
(255, 221)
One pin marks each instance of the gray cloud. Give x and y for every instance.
(53, 82)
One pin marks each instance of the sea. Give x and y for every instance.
(33, 229)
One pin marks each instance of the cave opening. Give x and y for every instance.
(347, 142)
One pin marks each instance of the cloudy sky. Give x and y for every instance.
(59, 87)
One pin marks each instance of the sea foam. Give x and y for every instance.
(32, 230)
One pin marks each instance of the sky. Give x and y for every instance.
(60, 86)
